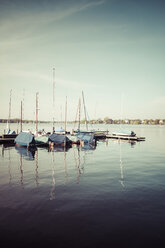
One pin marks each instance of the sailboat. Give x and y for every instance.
(10, 133)
(80, 136)
(41, 138)
(123, 133)
(25, 139)
(57, 139)
(96, 133)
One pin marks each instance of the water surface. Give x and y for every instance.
(108, 196)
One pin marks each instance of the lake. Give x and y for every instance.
(111, 195)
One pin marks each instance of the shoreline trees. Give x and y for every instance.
(106, 120)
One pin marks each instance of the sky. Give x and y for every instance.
(112, 50)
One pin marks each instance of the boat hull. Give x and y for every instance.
(42, 140)
(25, 139)
(59, 140)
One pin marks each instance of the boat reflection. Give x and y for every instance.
(27, 154)
(46, 163)
(132, 143)
(58, 149)
(6, 147)
(53, 163)
(88, 146)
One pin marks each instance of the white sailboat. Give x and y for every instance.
(8, 132)
(123, 132)
(96, 133)
(41, 138)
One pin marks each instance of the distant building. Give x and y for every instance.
(161, 122)
(145, 121)
(127, 121)
(110, 121)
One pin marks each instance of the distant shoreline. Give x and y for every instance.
(98, 121)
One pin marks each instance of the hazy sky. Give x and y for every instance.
(113, 50)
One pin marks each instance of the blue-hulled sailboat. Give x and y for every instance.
(25, 139)
(60, 140)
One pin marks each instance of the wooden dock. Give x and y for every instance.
(100, 135)
(135, 138)
(7, 139)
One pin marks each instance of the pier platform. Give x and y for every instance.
(7, 138)
(135, 138)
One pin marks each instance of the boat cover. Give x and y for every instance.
(41, 139)
(10, 132)
(59, 139)
(60, 130)
(25, 139)
(125, 132)
(87, 138)
(88, 146)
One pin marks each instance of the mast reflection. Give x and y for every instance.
(78, 165)
(52, 191)
(36, 169)
(121, 167)
(21, 171)
(7, 147)
(27, 154)
(9, 168)
(3, 149)
(65, 167)
(132, 143)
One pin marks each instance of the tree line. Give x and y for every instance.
(106, 120)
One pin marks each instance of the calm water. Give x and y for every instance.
(111, 196)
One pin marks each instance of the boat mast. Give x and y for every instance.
(37, 113)
(65, 114)
(53, 97)
(21, 118)
(79, 116)
(61, 114)
(76, 117)
(10, 108)
(85, 111)
(121, 110)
